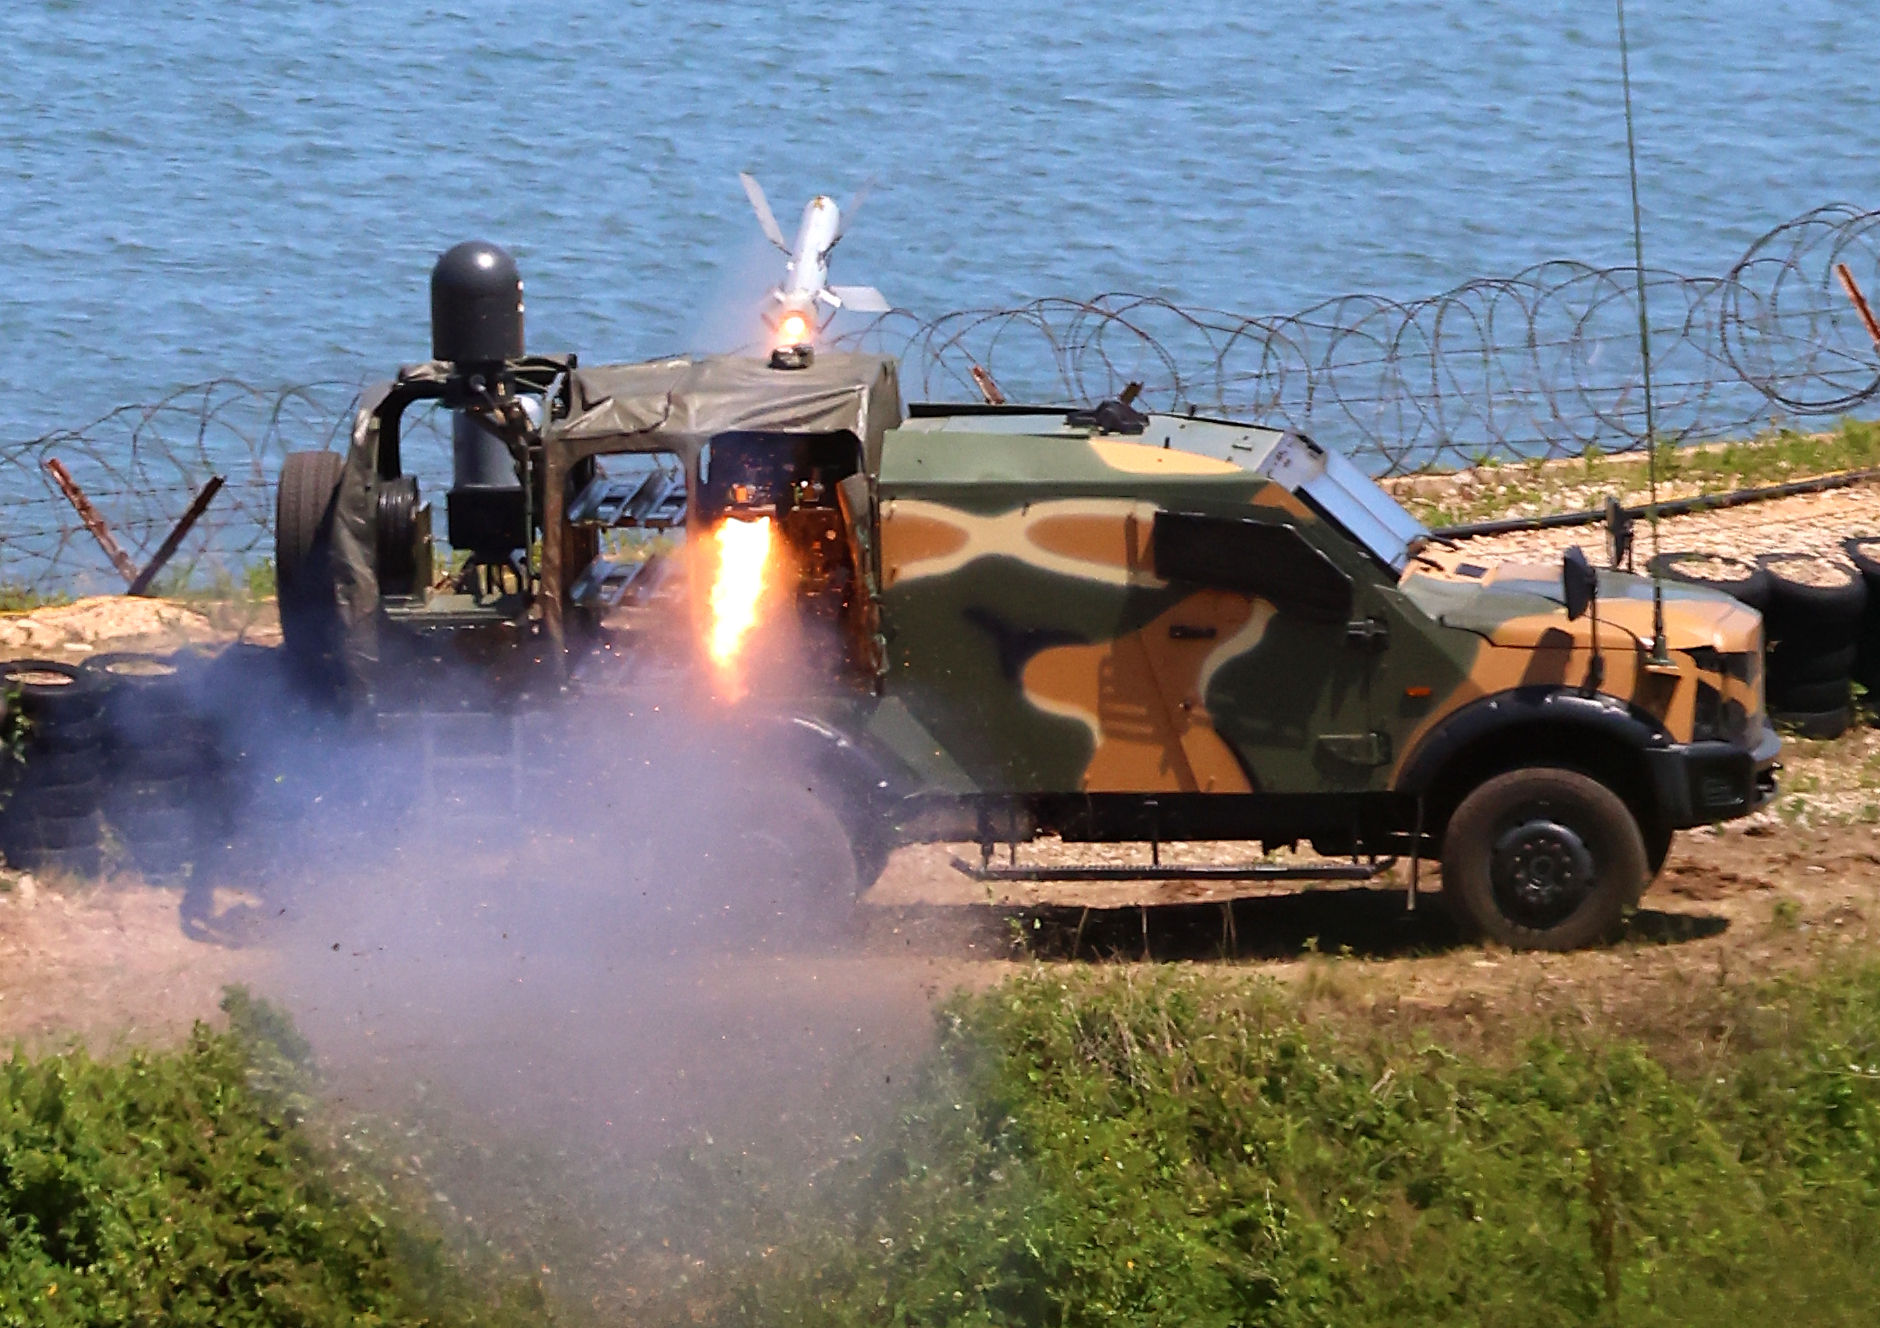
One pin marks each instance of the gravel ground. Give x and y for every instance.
(1808, 523)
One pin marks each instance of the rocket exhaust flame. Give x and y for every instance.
(744, 555)
(794, 329)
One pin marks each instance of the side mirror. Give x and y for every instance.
(1618, 533)
(1578, 582)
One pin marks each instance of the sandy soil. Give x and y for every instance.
(70, 632)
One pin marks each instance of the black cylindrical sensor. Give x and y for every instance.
(476, 305)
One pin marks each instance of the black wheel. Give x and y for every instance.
(1543, 859)
(52, 769)
(1733, 576)
(1819, 724)
(1813, 597)
(1864, 552)
(783, 874)
(1657, 838)
(1827, 665)
(396, 535)
(78, 860)
(33, 800)
(52, 696)
(305, 575)
(54, 832)
(1810, 697)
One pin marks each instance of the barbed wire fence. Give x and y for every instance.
(1538, 365)
(1541, 364)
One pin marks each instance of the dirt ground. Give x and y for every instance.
(114, 962)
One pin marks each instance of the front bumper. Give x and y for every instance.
(1702, 782)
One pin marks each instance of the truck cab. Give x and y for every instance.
(1202, 629)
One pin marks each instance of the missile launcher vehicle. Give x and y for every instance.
(988, 623)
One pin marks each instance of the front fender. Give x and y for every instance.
(1560, 710)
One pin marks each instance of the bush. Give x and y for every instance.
(183, 1188)
(1102, 1148)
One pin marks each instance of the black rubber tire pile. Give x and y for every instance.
(121, 767)
(162, 796)
(49, 819)
(1821, 626)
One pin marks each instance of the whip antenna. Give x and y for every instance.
(1659, 654)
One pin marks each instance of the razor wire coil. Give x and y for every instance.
(1538, 365)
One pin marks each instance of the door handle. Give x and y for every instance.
(1367, 634)
(1192, 632)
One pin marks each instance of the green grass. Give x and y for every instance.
(1101, 1148)
(21, 599)
(1773, 458)
(186, 1187)
(249, 583)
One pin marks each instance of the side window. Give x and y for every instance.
(1263, 558)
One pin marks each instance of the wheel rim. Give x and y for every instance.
(1541, 872)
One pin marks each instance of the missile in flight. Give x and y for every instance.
(799, 305)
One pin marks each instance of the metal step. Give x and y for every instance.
(1159, 871)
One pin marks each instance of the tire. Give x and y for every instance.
(1543, 858)
(148, 709)
(396, 535)
(129, 802)
(157, 825)
(1826, 614)
(1657, 840)
(1811, 697)
(56, 769)
(1864, 552)
(306, 578)
(53, 832)
(157, 682)
(32, 801)
(183, 759)
(53, 696)
(1791, 667)
(785, 875)
(1818, 724)
(67, 737)
(1736, 577)
(79, 860)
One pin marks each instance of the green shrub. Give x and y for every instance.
(182, 1188)
(1099, 1148)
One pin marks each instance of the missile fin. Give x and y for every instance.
(861, 299)
(761, 205)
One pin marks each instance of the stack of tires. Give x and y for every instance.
(1812, 630)
(161, 796)
(1738, 577)
(1864, 552)
(49, 819)
(1814, 611)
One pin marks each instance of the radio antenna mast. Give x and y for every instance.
(1659, 654)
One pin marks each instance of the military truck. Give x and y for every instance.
(1021, 621)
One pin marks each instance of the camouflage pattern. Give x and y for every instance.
(1028, 633)
(1010, 635)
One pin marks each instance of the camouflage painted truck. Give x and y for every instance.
(1012, 622)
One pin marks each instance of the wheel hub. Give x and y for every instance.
(1541, 870)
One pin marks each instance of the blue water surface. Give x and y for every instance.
(190, 190)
